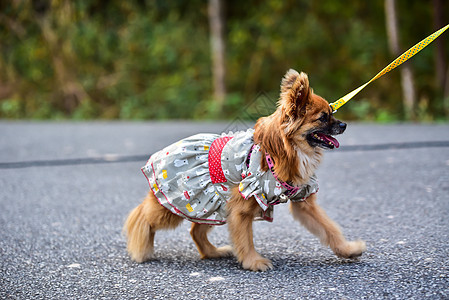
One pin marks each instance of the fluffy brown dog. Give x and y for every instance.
(212, 180)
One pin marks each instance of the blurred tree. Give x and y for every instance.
(441, 67)
(216, 21)
(60, 15)
(408, 85)
(153, 59)
(440, 61)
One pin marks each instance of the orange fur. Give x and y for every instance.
(142, 224)
(284, 135)
(240, 224)
(205, 248)
(313, 217)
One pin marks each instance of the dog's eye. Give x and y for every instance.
(323, 118)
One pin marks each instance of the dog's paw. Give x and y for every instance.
(224, 251)
(351, 250)
(142, 257)
(257, 263)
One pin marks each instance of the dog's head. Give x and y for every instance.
(297, 132)
(306, 117)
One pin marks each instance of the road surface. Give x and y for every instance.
(66, 189)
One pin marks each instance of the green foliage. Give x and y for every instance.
(89, 59)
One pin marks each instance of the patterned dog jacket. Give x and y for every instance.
(193, 177)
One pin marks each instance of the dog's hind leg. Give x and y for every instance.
(240, 223)
(313, 217)
(205, 248)
(143, 222)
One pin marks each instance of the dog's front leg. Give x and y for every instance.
(313, 217)
(241, 213)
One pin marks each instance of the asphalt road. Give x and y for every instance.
(66, 188)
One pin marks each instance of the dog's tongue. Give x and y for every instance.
(329, 139)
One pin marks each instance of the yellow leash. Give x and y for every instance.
(397, 62)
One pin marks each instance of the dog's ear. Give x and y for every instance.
(295, 93)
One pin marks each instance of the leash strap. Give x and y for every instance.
(397, 62)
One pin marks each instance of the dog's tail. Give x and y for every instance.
(139, 234)
(142, 223)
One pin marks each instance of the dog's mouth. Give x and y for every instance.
(320, 139)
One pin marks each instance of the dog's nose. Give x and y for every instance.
(342, 126)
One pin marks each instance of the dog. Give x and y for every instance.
(244, 176)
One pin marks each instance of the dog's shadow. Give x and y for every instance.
(320, 262)
(189, 261)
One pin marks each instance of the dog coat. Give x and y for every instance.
(193, 178)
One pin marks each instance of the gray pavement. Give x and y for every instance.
(66, 188)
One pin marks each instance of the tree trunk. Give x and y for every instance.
(446, 93)
(440, 61)
(442, 81)
(407, 82)
(217, 42)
